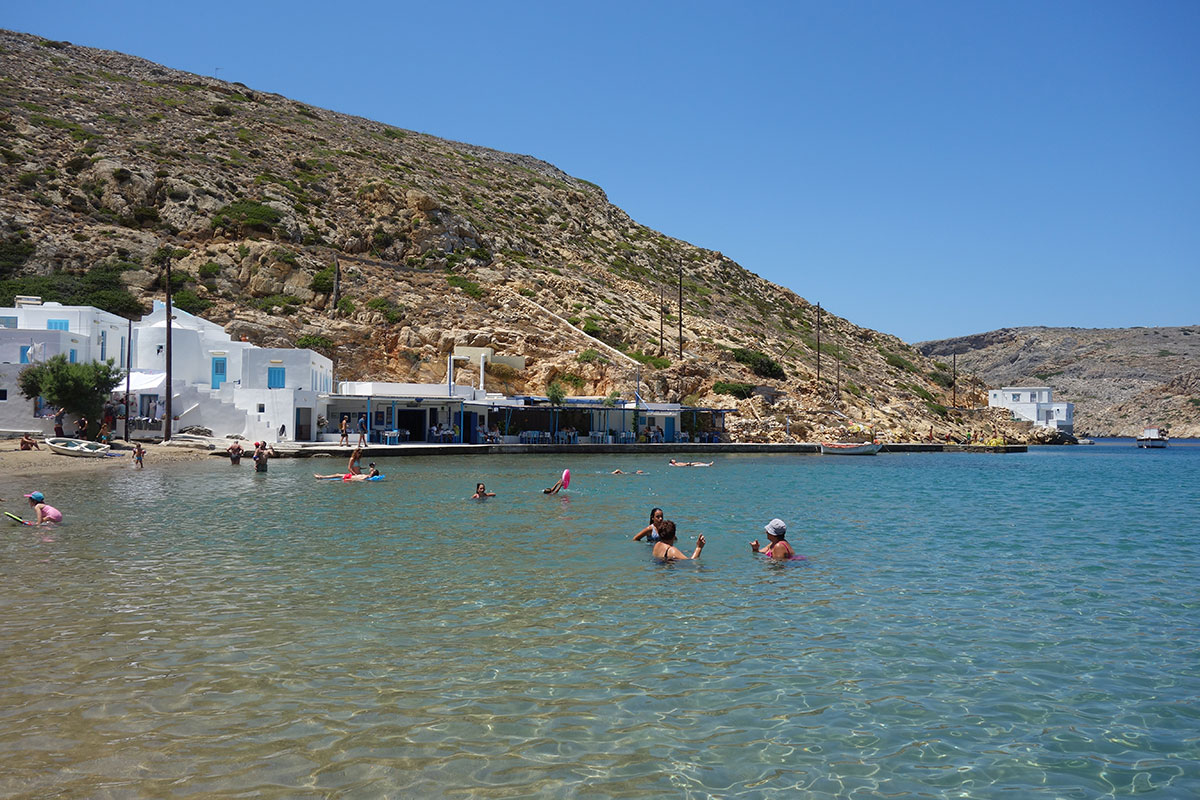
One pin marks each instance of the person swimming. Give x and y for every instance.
(665, 549)
(481, 492)
(778, 548)
(650, 532)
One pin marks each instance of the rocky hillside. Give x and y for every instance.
(1120, 379)
(385, 248)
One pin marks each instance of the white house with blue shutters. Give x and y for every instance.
(1034, 404)
(229, 386)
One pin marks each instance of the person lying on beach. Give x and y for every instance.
(778, 548)
(45, 512)
(481, 492)
(29, 443)
(675, 463)
(372, 472)
(650, 532)
(665, 549)
(623, 472)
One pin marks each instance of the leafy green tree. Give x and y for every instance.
(79, 388)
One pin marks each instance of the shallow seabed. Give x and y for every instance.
(966, 625)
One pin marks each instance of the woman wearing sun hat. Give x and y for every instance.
(45, 512)
(778, 548)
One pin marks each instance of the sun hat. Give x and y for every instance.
(36, 497)
(776, 527)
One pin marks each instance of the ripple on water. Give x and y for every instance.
(1018, 626)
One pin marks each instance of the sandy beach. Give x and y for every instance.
(19, 467)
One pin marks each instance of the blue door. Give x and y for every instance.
(669, 430)
(218, 371)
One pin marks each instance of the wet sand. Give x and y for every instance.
(18, 468)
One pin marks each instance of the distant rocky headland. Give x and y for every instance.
(1120, 379)
(385, 248)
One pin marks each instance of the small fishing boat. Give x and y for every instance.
(77, 447)
(1153, 437)
(849, 448)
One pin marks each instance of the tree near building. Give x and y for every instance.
(79, 388)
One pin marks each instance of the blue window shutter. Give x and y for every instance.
(276, 378)
(58, 325)
(72, 358)
(24, 354)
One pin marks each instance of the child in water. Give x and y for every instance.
(481, 492)
(139, 453)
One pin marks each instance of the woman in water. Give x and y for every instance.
(650, 532)
(778, 548)
(665, 549)
(481, 492)
(354, 467)
(45, 512)
(372, 472)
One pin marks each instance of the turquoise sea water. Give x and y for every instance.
(966, 625)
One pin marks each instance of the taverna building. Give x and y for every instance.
(1034, 404)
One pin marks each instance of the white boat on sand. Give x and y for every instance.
(849, 448)
(77, 447)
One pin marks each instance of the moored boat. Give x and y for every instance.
(77, 447)
(849, 448)
(1153, 437)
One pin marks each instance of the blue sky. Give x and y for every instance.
(928, 169)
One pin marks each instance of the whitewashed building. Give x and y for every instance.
(1034, 404)
(228, 386)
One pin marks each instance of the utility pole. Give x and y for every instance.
(662, 308)
(128, 370)
(681, 310)
(818, 347)
(954, 382)
(167, 417)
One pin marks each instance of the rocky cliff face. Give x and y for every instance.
(1120, 379)
(385, 248)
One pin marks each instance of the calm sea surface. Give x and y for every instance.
(966, 625)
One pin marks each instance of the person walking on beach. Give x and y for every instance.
(481, 492)
(139, 453)
(45, 512)
(778, 548)
(362, 430)
(665, 549)
(262, 453)
(344, 429)
(650, 532)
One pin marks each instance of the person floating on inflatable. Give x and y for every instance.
(778, 548)
(372, 474)
(675, 463)
(45, 512)
(561, 483)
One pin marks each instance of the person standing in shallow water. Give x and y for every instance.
(665, 549)
(262, 453)
(778, 548)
